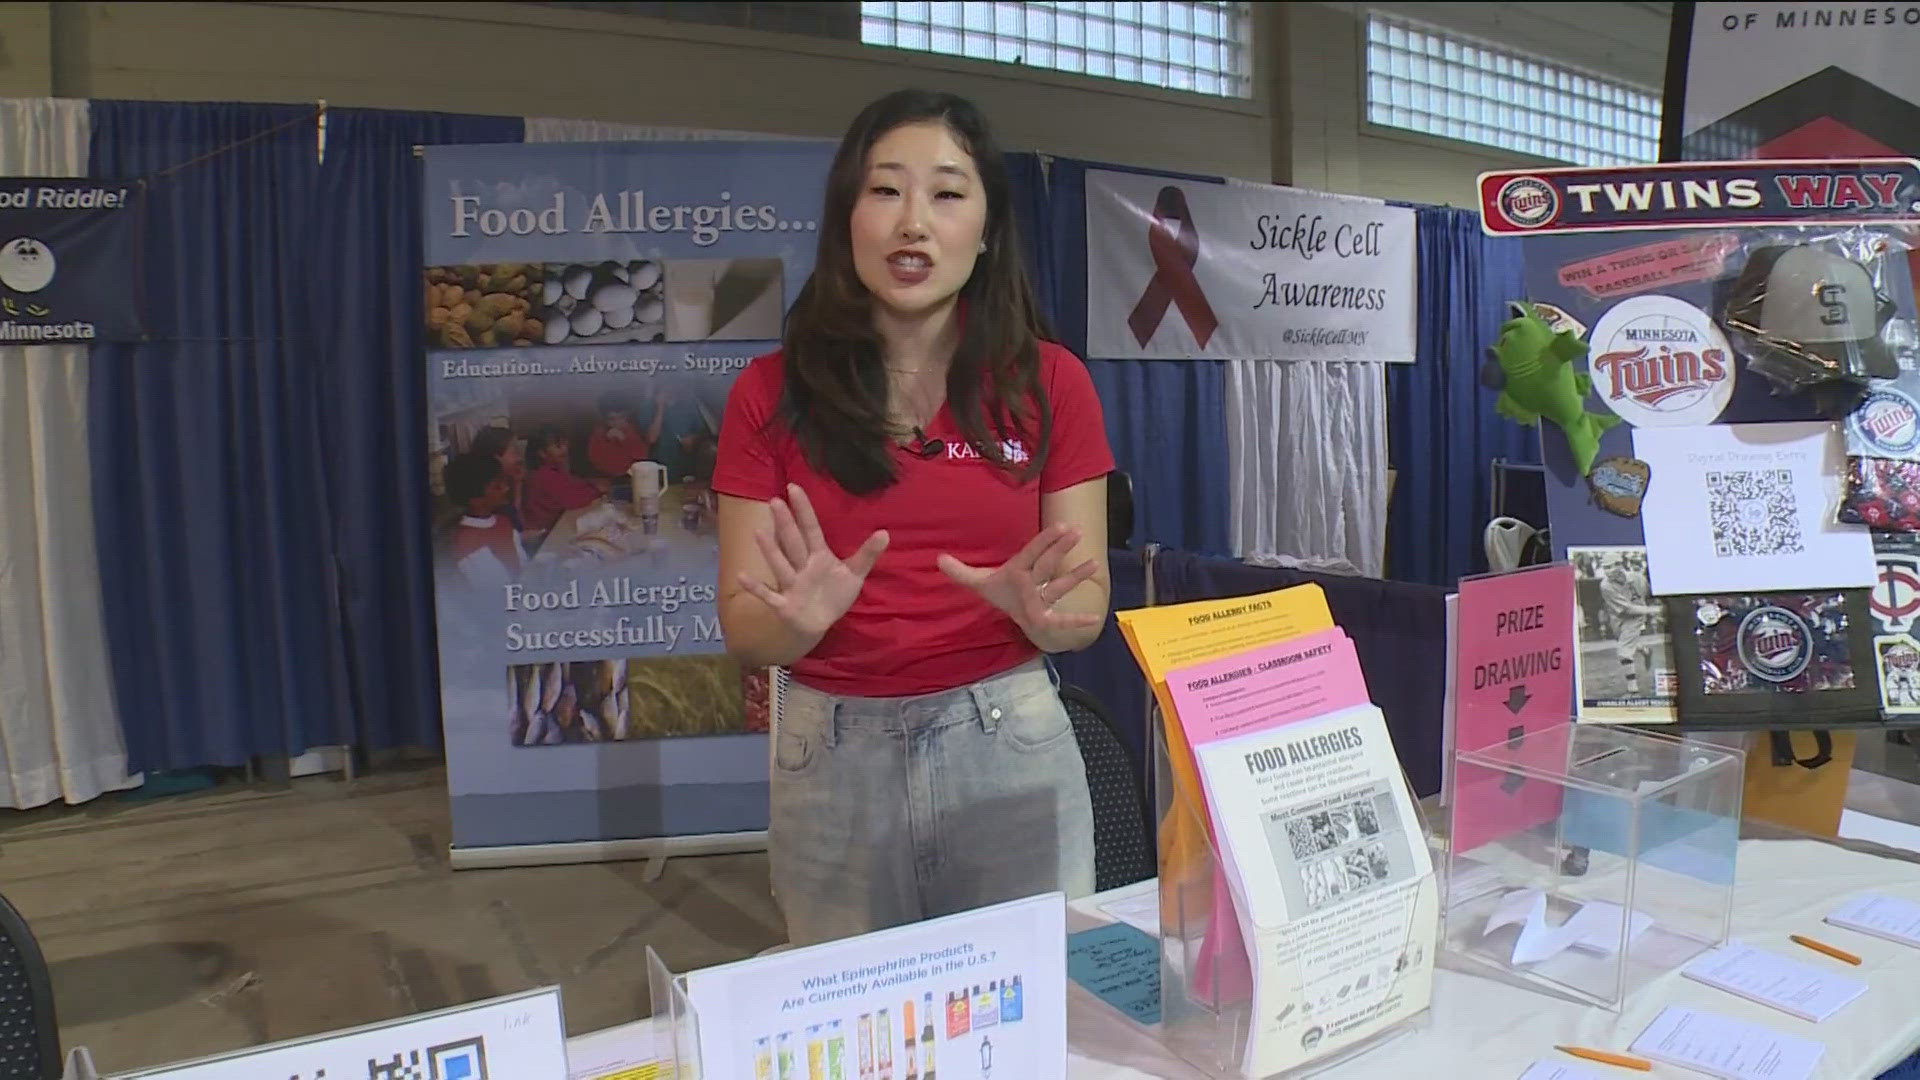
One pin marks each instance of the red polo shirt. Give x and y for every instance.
(913, 630)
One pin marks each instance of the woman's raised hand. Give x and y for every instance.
(812, 587)
(1028, 585)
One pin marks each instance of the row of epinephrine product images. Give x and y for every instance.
(824, 1046)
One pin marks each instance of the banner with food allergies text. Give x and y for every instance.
(1190, 270)
(587, 307)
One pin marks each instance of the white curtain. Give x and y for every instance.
(1307, 442)
(547, 130)
(59, 732)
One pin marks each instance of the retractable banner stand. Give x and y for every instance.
(1189, 270)
(587, 308)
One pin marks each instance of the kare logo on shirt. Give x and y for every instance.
(1660, 362)
(1013, 450)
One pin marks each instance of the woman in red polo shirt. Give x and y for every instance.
(913, 511)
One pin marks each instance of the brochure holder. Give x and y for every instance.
(1205, 1010)
(674, 1011)
(1597, 819)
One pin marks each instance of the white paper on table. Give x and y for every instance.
(1724, 1047)
(1595, 927)
(1887, 917)
(1798, 989)
(1855, 825)
(1554, 1070)
(1142, 912)
(1748, 508)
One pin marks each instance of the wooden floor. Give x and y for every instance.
(186, 926)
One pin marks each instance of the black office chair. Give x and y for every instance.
(29, 1034)
(1122, 843)
(1119, 509)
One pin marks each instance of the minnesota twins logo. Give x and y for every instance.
(1775, 644)
(1888, 422)
(1896, 595)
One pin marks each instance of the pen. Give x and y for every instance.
(1841, 955)
(1605, 1058)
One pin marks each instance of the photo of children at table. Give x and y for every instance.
(483, 544)
(617, 442)
(552, 488)
(498, 442)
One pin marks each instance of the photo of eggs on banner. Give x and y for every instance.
(604, 302)
(483, 307)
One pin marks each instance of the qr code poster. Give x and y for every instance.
(1748, 507)
(507, 1038)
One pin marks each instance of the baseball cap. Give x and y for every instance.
(1811, 316)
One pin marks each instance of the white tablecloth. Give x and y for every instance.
(1480, 1029)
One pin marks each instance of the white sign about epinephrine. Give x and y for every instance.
(522, 1035)
(1748, 508)
(1331, 879)
(979, 993)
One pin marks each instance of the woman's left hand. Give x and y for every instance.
(1028, 585)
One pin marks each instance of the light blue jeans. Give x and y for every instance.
(887, 811)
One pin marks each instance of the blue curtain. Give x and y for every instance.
(208, 450)
(1166, 419)
(366, 261)
(258, 482)
(1444, 432)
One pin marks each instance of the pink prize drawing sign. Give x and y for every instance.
(1513, 677)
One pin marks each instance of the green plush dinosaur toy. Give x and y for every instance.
(1533, 367)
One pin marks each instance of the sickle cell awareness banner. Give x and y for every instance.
(1187, 270)
(587, 308)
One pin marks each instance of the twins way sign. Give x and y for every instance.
(67, 262)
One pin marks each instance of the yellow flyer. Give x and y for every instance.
(1168, 638)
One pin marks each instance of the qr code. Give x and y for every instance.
(1754, 513)
(463, 1060)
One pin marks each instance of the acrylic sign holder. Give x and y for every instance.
(1207, 1021)
(670, 1002)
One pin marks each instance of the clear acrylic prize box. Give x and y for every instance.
(1206, 1013)
(1558, 835)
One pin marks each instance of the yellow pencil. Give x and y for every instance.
(1841, 955)
(1605, 1058)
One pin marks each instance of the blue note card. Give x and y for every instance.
(1121, 965)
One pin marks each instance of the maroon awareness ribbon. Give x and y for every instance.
(1174, 244)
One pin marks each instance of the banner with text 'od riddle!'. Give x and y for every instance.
(587, 308)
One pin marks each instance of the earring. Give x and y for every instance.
(983, 247)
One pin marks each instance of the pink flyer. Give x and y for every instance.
(1297, 679)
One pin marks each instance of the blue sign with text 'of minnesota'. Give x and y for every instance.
(66, 262)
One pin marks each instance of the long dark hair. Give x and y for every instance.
(835, 401)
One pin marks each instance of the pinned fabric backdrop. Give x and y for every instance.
(209, 478)
(1444, 432)
(60, 736)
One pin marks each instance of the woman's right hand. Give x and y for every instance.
(812, 587)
